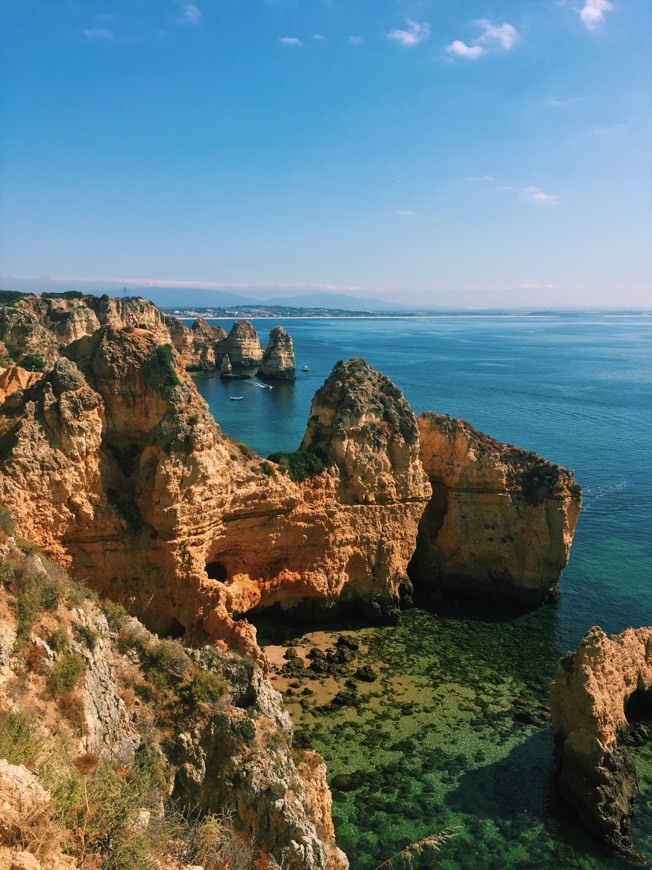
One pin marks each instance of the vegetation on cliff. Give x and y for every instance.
(98, 718)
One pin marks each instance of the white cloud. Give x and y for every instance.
(503, 35)
(98, 33)
(493, 36)
(290, 40)
(356, 40)
(461, 49)
(406, 213)
(318, 37)
(535, 194)
(593, 11)
(414, 34)
(190, 13)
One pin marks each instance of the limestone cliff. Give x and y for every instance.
(196, 345)
(121, 721)
(501, 520)
(360, 421)
(15, 378)
(242, 346)
(45, 325)
(278, 360)
(114, 464)
(593, 689)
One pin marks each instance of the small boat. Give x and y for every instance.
(236, 398)
(305, 369)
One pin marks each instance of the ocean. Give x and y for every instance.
(436, 745)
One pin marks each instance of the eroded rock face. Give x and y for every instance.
(113, 462)
(45, 325)
(196, 345)
(592, 686)
(360, 421)
(501, 520)
(15, 378)
(242, 346)
(278, 360)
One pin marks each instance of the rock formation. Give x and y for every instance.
(242, 346)
(46, 324)
(501, 520)
(196, 346)
(225, 366)
(15, 378)
(206, 724)
(113, 462)
(593, 689)
(278, 360)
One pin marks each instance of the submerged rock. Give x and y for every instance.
(500, 521)
(593, 688)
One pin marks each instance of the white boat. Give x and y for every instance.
(305, 369)
(236, 398)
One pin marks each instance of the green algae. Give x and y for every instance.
(453, 734)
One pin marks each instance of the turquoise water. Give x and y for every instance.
(578, 390)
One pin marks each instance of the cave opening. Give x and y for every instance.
(638, 707)
(216, 571)
(174, 629)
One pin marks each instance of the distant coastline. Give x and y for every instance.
(262, 312)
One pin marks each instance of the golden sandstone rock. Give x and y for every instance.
(592, 688)
(501, 520)
(114, 463)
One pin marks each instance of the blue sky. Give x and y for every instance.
(435, 152)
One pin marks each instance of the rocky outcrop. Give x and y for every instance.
(594, 689)
(361, 423)
(242, 346)
(114, 464)
(196, 346)
(282, 799)
(501, 520)
(278, 360)
(15, 378)
(45, 325)
(225, 366)
(212, 733)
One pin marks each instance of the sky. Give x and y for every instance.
(429, 152)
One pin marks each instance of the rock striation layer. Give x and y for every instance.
(278, 360)
(501, 520)
(594, 689)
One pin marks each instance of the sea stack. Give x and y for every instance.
(278, 359)
(242, 346)
(597, 689)
(500, 521)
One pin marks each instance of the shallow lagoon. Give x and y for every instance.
(435, 740)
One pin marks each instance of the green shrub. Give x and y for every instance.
(6, 522)
(86, 635)
(68, 670)
(18, 743)
(33, 362)
(205, 687)
(267, 468)
(115, 613)
(58, 640)
(165, 664)
(165, 358)
(246, 450)
(299, 465)
(34, 594)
